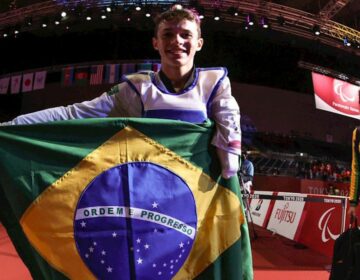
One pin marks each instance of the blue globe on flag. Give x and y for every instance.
(135, 221)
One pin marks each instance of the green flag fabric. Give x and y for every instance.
(121, 199)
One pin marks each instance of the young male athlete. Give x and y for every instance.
(178, 91)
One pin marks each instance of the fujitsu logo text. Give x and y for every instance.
(284, 215)
(326, 234)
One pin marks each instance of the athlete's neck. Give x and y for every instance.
(177, 76)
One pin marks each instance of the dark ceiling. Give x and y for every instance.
(348, 15)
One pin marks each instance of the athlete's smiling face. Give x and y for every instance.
(177, 43)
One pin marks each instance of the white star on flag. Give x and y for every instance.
(146, 246)
(138, 240)
(139, 261)
(114, 234)
(109, 269)
(91, 249)
(155, 205)
(181, 245)
(83, 224)
(103, 253)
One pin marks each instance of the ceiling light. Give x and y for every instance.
(250, 19)
(216, 14)
(233, 11)
(316, 30)
(28, 21)
(346, 41)
(264, 22)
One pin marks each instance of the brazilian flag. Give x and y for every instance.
(121, 199)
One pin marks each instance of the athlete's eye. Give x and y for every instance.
(167, 35)
(187, 35)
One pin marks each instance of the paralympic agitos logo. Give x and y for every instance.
(326, 233)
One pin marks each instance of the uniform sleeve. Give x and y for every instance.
(115, 103)
(226, 114)
(354, 182)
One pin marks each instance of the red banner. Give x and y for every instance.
(320, 224)
(336, 96)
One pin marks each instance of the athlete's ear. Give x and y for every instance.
(155, 43)
(200, 43)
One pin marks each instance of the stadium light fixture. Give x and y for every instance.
(216, 14)
(28, 21)
(346, 42)
(264, 22)
(316, 30)
(250, 19)
(232, 11)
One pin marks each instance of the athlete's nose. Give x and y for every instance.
(178, 39)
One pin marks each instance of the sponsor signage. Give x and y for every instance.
(259, 208)
(286, 214)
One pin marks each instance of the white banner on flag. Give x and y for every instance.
(15, 84)
(4, 85)
(27, 82)
(39, 80)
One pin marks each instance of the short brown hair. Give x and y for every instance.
(178, 13)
